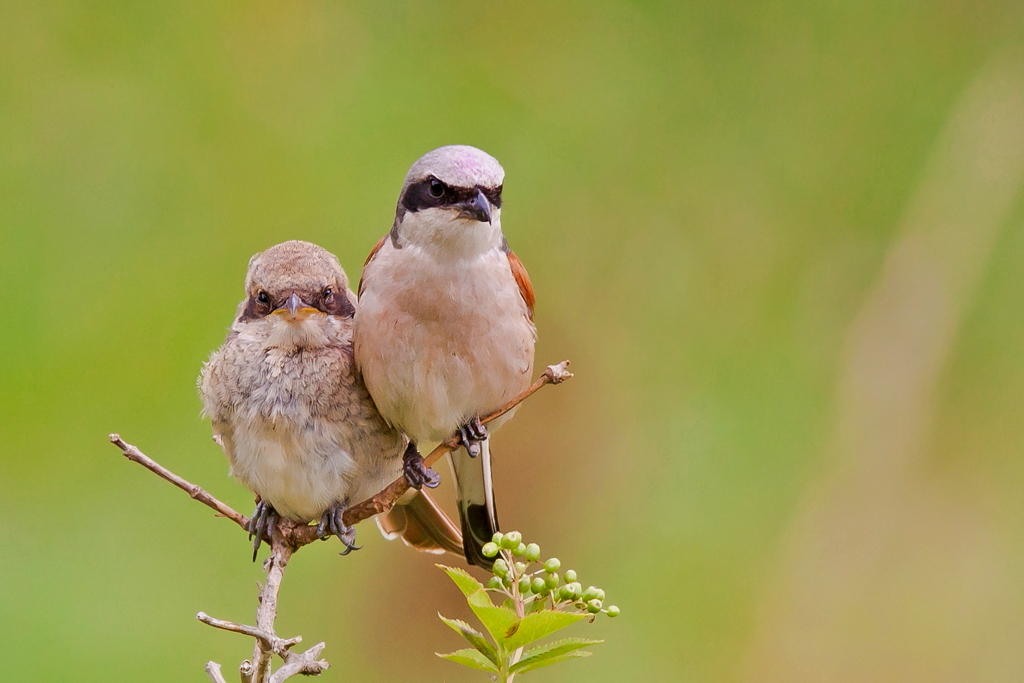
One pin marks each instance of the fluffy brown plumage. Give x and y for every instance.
(287, 402)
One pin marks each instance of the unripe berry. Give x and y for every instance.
(495, 582)
(500, 568)
(538, 585)
(524, 584)
(532, 552)
(519, 550)
(552, 565)
(511, 540)
(489, 549)
(551, 580)
(590, 593)
(594, 606)
(612, 611)
(565, 593)
(496, 538)
(520, 567)
(575, 590)
(600, 594)
(570, 575)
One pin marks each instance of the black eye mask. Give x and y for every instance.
(423, 195)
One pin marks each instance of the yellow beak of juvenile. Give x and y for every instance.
(294, 306)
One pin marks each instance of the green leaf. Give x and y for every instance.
(466, 583)
(475, 638)
(538, 625)
(470, 658)
(501, 623)
(537, 657)
(549, 661)
(536, 605)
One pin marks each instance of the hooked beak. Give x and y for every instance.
(293, 304)
(478, 208)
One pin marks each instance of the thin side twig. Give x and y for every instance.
(213, 671)
(305, 663)
(196, 492)
(269, 641)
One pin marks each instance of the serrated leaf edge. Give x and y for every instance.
(556, 644)
(475, 638)
(547, 661)
(476, 660)
(526, 623)
(464, 581)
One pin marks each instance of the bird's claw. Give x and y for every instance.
(472, 434)
(418, 475)
(332, 522)
(261, 525)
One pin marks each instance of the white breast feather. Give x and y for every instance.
(440, 343)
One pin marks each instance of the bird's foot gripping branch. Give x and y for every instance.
(536, 603)
(287, 537)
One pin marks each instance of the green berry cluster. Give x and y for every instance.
(541, 587)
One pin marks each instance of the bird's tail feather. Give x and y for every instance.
(421, 524)
(477, 511)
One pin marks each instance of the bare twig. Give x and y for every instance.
(213, 671)
(305, 663)
(266, 613)
(268, 643)
(286, 538)
(197, 493)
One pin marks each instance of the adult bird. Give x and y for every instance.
(289, 407)
(444, 332)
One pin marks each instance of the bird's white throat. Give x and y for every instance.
(440, 233)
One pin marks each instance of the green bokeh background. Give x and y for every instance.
(705, 195)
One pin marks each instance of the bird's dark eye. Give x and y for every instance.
(262, 298)
(436, 188)
(328, 293)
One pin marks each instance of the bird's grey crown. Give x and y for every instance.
(457, 166)
(295, 265)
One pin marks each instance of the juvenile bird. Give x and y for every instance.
(289, 407)
(444, 332)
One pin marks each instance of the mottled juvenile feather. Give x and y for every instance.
(288, 403)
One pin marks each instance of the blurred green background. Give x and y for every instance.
(780, 241)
